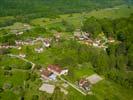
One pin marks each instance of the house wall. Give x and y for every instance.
(64, 72)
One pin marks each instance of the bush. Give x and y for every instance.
(7, 68)
(33, 77)
(1, 90)
(7, 86)
(35, 97)
(8, 73)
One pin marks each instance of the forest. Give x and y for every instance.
(117, 62)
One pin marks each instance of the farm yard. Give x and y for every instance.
(54, 59)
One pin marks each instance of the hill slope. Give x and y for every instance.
(38, 8)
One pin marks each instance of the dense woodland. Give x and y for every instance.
(117, 62)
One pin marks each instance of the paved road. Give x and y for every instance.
(72, 85)
(17, 56)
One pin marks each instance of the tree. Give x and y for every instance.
(102, 63)
(35, 97)
(70, 28)
(33, 77)
(7, 68)
(4, 51)
(107, 27)
(121, 36)
(27, 76)
(92, 25)
(130, 58)
(27, 66)
(1, 90)
(121, 62)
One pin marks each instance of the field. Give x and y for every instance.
(77, 18)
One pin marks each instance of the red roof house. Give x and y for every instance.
(55, 69)
(84, 84)
(45, 73)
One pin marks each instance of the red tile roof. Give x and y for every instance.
(46, 73)
(55, 68)
(83, 82)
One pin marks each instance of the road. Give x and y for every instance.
(17, 56)
(72, 85)
(33, 66)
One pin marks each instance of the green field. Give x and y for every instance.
(77, 18)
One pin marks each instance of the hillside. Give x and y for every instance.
(66, 49)
(39, 8)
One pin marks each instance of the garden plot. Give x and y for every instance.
(47, 88)
(93, 79)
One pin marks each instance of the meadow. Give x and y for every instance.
(77, 18)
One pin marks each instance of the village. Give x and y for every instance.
(82, 37)
(53, 75)
(66, 50)
(100, 42)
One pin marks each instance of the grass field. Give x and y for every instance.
(111, 91)
(104, 90)
(77, 18)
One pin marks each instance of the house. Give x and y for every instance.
(22, 55)
(52, 71)
(19, 33)
(57, 70)
(84, 84)
(19, 48)
(46, 43)
(111, 40)
(47, 74)
(85, 35)
(57, 36)
(77, 35)
(88, 42)
(18, 42)
(39, 50)
(81, 35)
(95, 44)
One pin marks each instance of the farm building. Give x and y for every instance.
(47, 74)
(57, 70)
(84, 84)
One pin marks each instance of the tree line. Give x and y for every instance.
(117, 62)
